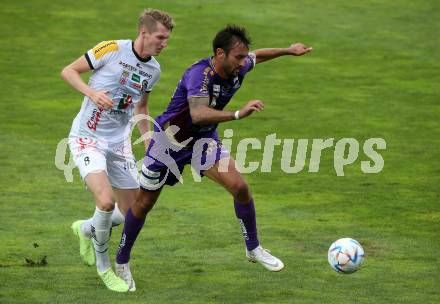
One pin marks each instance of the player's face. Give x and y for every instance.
(235, 60)
(156, 41)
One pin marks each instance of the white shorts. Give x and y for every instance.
(116, 159)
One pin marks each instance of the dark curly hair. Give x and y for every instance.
(229, 36)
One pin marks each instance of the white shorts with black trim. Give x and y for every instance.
(116, 159)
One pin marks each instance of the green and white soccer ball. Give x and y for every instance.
(346, 255)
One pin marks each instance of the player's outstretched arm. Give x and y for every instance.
(297, 49)
(202, 114)
(71, 74)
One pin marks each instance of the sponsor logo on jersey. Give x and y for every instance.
(216, 90)
(131, 68)
(145, 74)
(204, 87)
(115, 112)
(124, 76)
(124, 102)
(94, 119)
(213, 102)
(127, 66)
(206, 70)
(105, 47)
(144, 85)
(122, 81)
(136, 77)
(236, 83)
(136, 86)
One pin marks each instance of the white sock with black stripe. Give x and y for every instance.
(117, 219)
(101, 225)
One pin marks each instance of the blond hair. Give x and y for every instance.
(150, 17)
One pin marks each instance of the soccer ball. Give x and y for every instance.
(346, 255)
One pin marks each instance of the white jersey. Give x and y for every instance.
(118, 70)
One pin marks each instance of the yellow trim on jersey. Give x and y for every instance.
(105, 47)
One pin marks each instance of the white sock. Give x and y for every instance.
(101, 225)
(117, 219)
(86, 228)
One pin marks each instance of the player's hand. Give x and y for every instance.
(250, 107)
(299, 49)
(101, 99)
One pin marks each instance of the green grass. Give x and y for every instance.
(374, 72)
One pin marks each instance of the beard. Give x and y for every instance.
(229, 70)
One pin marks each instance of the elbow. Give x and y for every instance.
(64, 73)
(67, 72)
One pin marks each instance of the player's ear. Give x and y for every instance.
(220, 53)
(143, 31)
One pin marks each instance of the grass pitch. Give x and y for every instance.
(374, 72)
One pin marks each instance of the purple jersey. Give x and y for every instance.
(201, 80)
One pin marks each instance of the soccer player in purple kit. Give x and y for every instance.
(196, 108)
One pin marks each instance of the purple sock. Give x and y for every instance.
(248, 223)
(132, 227)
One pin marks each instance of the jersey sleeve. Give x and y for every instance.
(102, 53)
(197, 82)
(250, 62)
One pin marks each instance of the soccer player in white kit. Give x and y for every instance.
(124, 73)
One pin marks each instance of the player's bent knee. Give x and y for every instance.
(145, 201)
(105, 205)
(105, 202)
(240, 190)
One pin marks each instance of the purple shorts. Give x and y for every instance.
(165, 160)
